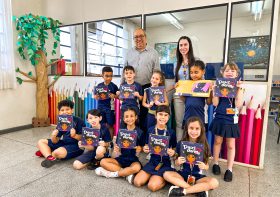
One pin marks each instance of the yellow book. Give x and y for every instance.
(200, 88)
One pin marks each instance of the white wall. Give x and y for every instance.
(18, 105)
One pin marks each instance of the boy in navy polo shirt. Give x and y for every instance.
(93, 155)
(66, 148)
(129, 76)
(104, 105)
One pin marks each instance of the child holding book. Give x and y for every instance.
(225, 123)
(151, 103)
(190, 172)
(195, 106)
(153, 171)
(129, 76)
(104, 104)
(62, 148)
(93, 155)
(124, 162)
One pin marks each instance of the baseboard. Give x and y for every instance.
(13, 129)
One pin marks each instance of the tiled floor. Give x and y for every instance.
(22, 175)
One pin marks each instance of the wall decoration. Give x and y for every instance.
(167, 52)
(252, 51)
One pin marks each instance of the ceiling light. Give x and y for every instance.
(173, 20)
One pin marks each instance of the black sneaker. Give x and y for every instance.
(93, 165)
(48, 163)
(216, 169)
(176, 191)
(201, 194)
(228, 176)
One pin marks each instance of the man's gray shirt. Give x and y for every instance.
(144, 63)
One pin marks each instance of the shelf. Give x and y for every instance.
(274, 101)
(271, 116)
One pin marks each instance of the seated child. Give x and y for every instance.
(195, 132)
(124, 163)
(66, 148)
(104, 105)
(153, 171)
(94, 154)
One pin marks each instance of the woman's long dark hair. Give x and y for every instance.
(179, 56)
(201, 139)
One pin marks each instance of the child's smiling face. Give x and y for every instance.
(194, 130)
(129, 118)
(155, 80)
(230, 73)
(196, 73)
(94, 121)
(162, 118)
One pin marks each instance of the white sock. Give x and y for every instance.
(230, 169)
(114, 174)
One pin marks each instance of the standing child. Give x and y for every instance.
(129, 75)
(104, 105)
(225, 122)
(93, 155)
(195, 132)
(153, 171)
(195, 106)
(156, 81)
(124, 162)
(66, 148)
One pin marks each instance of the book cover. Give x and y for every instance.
(200, 88)
(90, 136)
(102, 91)
(158, 144)
(225, 88)
(156, 94)
(64, 123)
(127, 139)
(193, 152)
(126, 91)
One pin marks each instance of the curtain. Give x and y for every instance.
(7, 66)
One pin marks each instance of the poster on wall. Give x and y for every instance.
(252, 51)
(167, 52)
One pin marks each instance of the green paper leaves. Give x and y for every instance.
(19, 80)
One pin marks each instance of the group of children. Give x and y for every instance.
(123, 162)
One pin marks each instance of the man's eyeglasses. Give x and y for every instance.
(138, 37)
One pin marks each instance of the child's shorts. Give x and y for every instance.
(108, 116)
(151, 165)
(126, 162)
(185, 175)
(88, 156)
(73, 150)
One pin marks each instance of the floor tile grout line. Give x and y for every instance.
(19, 141)
(32, 181)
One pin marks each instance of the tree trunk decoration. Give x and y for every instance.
(32, 36)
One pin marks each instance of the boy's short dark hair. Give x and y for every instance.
(107, 69)
(65, 103)
(163, 108)
(94, 112)
(127, 68)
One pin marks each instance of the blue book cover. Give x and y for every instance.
(127, 139)
(156, 94)
(192, 152)
(127, 91)
(158, 144)
(102, 91)
(90, 136)
(225, 88)
(64, 123)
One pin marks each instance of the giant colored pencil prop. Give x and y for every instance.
(257, 136)
(85, 105)
(249, 131)
(117, 122)
(241, 141)
(209, 134)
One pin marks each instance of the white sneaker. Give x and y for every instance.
(102, 172)
(130, 178)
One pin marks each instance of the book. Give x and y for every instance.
(127, 91)
(64, 123)
(225, 88)
(158, 144)
(90, 136)
(156, 94)
(102, 91)
(193, 152)
(200, 88)
(127, 139)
